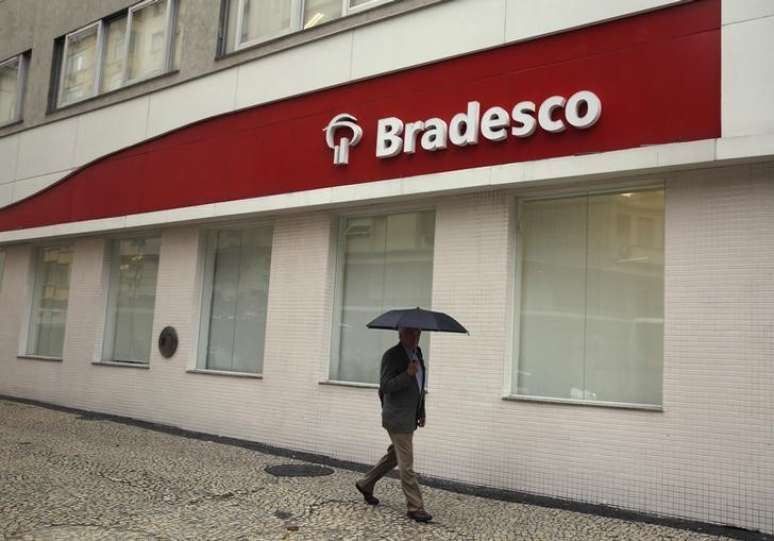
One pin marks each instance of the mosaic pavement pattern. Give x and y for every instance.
(66, 476)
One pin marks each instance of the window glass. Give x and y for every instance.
(133, 290)
(147, 41)
(320, 11)
(10, 87)
(592, 282)
(234, 322)
(49, 305)
(262, 19)
(113, 56)
(387, 263)
(79, 65)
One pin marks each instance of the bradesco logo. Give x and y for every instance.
(581, 111)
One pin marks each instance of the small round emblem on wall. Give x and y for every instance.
(168, 342)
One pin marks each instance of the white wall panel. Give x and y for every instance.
(448, 29)
(47, 149)
(747, 78)
(28, 186)
(529, 18)
(743, 10)
(192, 101)
(316, 65)
(9, 151)
(106, 130)
(6, 194)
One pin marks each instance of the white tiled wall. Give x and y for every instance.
(706, 457)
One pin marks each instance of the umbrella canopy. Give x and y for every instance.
(416, 318)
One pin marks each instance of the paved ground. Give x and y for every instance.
(68, 476)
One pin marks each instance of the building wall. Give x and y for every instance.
(46, 147)
(706, 456)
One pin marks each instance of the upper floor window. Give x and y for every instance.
(12, 76)
(117, 51)
(249, 22)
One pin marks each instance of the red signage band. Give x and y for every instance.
(656, 76)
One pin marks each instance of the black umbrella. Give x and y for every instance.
(416, 318)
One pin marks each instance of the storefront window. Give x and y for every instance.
(135, 265)
(386, 263)
(49, 302)
(235, 299)
(591, 321)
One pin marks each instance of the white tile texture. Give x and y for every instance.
(706, 457)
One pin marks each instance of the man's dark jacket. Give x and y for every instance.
(403, 403)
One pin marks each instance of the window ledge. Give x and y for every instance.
(225, 373)
(57, 108)
(349, 384)
(144, 366)
(40, 358)
(10, 123)
(593, 403)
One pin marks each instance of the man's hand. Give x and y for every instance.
(412, 369)
(421, 421)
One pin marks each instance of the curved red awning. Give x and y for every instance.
(657, 74)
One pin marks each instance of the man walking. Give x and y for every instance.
(402, 389)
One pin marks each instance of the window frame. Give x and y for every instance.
(169, 38)
(203, 302)
(21, 78)
(32, 296)
(337, 282)
(97, 68)
(298, 8)
(513, 351)
(109, 328)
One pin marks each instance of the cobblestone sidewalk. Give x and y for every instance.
(68, 476)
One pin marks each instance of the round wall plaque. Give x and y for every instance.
(168, 342)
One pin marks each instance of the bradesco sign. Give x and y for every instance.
(394, 136)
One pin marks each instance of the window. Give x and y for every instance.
(591, 320)
(385, 262)
(12, 78)
(117, 51)
(134, 267)
(49, 301)
(235, 299)
(248, 22)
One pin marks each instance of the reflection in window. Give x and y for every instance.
(387, 262)
(134, 269)
(120, 50)
(592, 310)
(248, 22)
(235, 299)
(49, 302)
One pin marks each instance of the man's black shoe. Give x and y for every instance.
(367, 496)
(420, 516)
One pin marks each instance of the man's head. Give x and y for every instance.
(409, 337)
